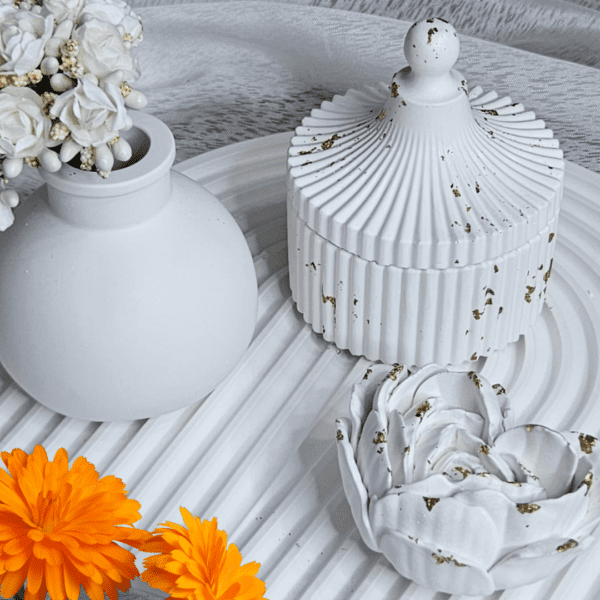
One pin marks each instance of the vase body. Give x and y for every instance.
(128, 297)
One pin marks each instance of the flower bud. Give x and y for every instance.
(122, 150)
(69, 149)
(12, 167)
(60, 82)
(49, 65)
(50, 161)
(104, 158)
(9, 198)
(135, 99)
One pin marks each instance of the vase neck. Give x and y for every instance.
(115, 210)
(130, 194)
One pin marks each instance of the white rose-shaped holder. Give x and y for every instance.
(456, 499)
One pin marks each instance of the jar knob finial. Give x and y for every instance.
(431, 48)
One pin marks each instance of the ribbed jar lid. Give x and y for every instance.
(424, 173)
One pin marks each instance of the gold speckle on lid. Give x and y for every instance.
(484, 449)
(587, 443)
(568, 546)
(489, 301)
(529, 428)
(381, 115)
(527, 508)
(366, 375)
(477, 188)
(328, 143)
(490, 111)
(496, 269)
(474, 356)
(396, 370)
(550, 237)
(422, 409)
(430, 502)
(477, 314)
(380, 438)
(329, 299)
(430, 33)
(407, 450)
(339, 435)
(395, 90)
(499, 389)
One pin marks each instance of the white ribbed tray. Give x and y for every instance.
(259, 453)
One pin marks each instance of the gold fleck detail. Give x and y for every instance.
(422, 409)
(527, 508)
(490, 291)
(464, 472)
(568, 546)
(329, 299)
(328, 143)
(529, 428)
(407, 450)
(366, 375)
(489, 301)
(477, 314)
(430, 502)
(500, 310)
(303, 152)
(396, 370)
(381, 115)
(473, 377)
(430, 33)
(484, 449)
(496, 269)
(474, 356)
(548, 272)
(490, 111)
(499, 389)
(468, 228)
(125, 89)
(587, 443)
(339, 435)
(477, 188)
(395, 90)
(380, 438)
(530, 290)
(587, 480)
(550, 237)
(446, 559)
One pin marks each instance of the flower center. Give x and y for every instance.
(48, 511)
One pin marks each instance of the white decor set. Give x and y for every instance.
(421, 222)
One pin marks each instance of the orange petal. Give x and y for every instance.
(54, 581)
(72, 579)
(39, 595)
(14, 563)
(35, 574)
(12, 581)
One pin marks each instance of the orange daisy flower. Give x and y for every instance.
(196, 563)
(58, 528)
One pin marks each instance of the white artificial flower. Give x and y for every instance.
(117, 13)
(455, 499)
(102, 50)
(64, 9)
(93, 115)
(23, 126)
(23, 35)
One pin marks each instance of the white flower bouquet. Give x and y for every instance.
(457, 498)
(66, 68)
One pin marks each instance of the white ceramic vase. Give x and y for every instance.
(127, 297)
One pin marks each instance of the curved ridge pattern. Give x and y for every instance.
(504, 165)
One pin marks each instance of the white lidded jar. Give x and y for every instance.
(421, 215)
(127, 297)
